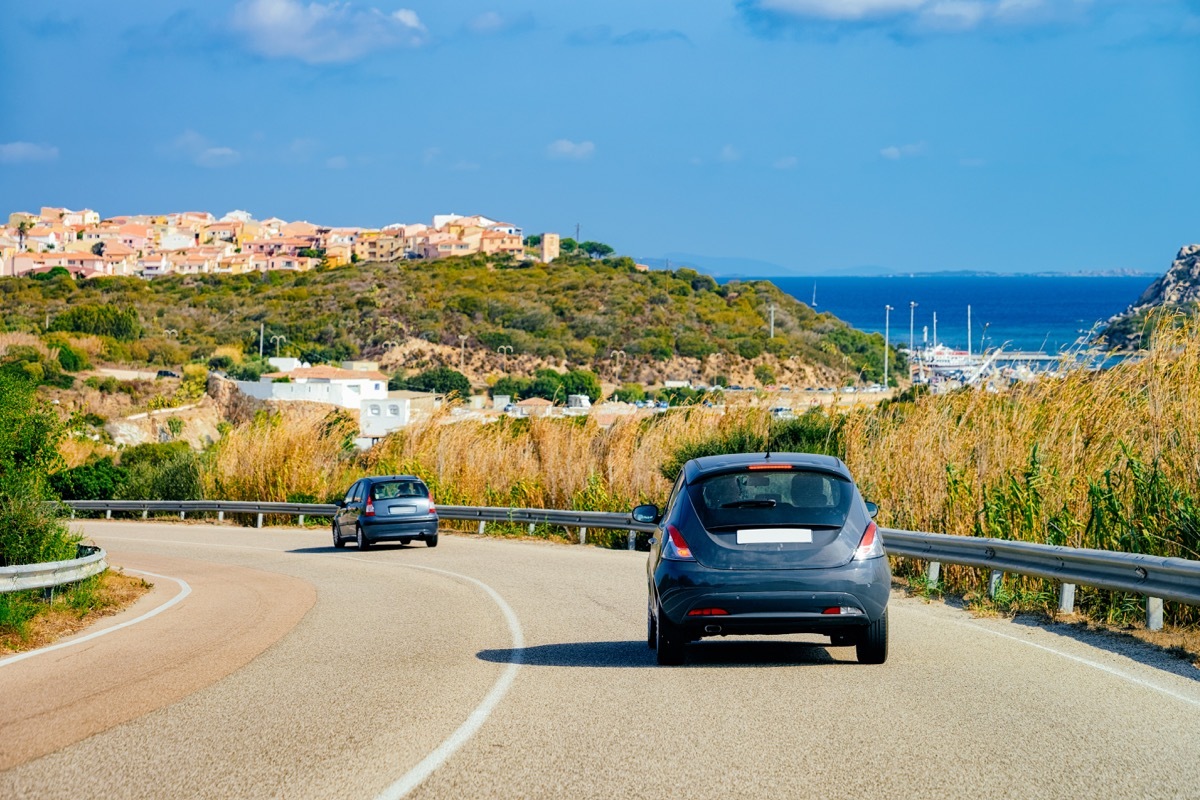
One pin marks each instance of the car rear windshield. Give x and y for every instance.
(391, 489)
(774, 497)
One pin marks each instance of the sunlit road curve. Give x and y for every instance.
(296, 670)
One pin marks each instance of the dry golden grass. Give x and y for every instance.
(14, 339)
(113, 592)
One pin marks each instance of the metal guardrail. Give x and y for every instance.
(91, 561)
(1155, 577)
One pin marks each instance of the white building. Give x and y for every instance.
(339, 387)
(379, 417)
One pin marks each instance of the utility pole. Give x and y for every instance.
(887, 319)
(261, 327)
(462, 351)
(576, 233)
(772, 321)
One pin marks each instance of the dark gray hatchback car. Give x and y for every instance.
(759, 543)
(386, 507)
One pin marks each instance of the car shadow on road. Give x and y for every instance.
(635, 654)
(382, 548)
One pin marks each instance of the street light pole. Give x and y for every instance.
(887, 319)
(276, 340)
(462, 351)
(504, 350)
(617, 355)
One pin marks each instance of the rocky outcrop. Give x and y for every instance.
(1178, 289)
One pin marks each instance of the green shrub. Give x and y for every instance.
(101, 320)
(99, 480)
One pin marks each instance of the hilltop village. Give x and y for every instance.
(197, 243)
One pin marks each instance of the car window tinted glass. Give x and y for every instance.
(784, 497)
(350, 493)
(391, 489)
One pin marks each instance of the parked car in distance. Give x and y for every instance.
(386, 507)
(756, 543)
(166, 373)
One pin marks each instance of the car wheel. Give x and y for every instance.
(651, 629)
(405, 541)
(669, 642)
(873, 643)
(363, 544)
(431, 541)
(338, 541)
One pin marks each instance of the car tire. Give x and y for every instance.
(431, 541)
(651, 629)
(363, 544)
(872, 645)
(338, 541)
(669, 642)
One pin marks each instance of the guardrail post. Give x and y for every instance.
(633, 540)
(1154, 613)
(145, 513)
(220, 516)
(183, 515)
(301, 520)
(994, 582)
(482, 526)
(931, 574)
(259, 525)
(583, 535)
(108, 513)
(1066, 599)
(532, 528)
(72, 512)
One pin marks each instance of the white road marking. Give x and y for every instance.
(185, 590)
(428, 765)
(1086, 662)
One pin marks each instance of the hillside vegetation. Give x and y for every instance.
(575, 311)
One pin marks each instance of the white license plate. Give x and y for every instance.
(402, 509)
(774, 535)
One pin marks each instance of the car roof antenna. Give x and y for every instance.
(768, 453)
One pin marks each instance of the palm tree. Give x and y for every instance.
(22, 228)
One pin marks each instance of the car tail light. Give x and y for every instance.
(369, 511)
(871, 545)
(432, 509)
(676, 547)
(842, 610)
(708, 612)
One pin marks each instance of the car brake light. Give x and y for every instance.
(432, 509)
(871, 545)
(842, 610)
(369, 511)
(676, 547)
(768, 466)
(708, 612)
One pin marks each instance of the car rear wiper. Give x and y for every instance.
(750, 504)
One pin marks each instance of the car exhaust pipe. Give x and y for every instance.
(712, 628)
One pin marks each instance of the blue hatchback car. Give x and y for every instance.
(759, 543)
(386, 507)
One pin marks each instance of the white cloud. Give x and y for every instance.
(943, 15)
(337, 162)
(487, 22)
(567, 150)
(319, 33)
(26, 152)
(729, 154)
(787, 162)
(201, 152)
(896, 152)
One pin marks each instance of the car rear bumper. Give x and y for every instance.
(382, 529)
(772, 601)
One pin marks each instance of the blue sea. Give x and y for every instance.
(1019, 312)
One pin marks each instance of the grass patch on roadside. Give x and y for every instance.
(33, 619)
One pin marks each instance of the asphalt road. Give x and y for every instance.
(280, 667)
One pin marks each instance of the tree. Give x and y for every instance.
(442, 380)
(596, 249)
(23, 228)
(533, 240)
(568, 245)
(98, 249)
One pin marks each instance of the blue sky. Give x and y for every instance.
(822, 135)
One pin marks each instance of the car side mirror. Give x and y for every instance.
(647, 514)
(872, 509)
(340, 503)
